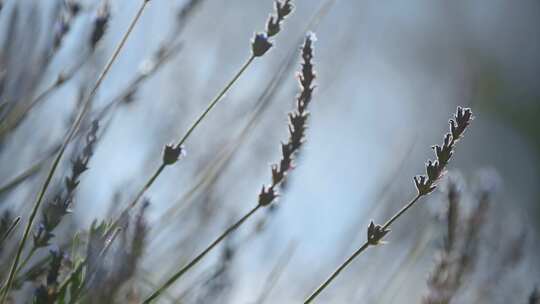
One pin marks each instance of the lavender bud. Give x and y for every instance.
(171, 154)
(260, 44)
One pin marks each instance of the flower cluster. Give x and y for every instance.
(297, 124)
(261, 43)
(100, 25)
(375, 233)
(171, 154)
(435, 169)
(425, 184)
(55, 210)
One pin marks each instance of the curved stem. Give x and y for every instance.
(401, 212)
(27, 258)
(58, 157)
(336, 273)
(28, 172)
(12, 120)
(216, 100)
(146, 186)
(90, 276)
(199, 257)
(193, 126)
(360, 250)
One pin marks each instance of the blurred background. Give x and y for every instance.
(390, 76)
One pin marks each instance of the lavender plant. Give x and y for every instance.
(172, 153)
(259, 46)
(103, 263)
(68, 138)
(15, 116)
(425, 184)
(297, 129)
(459, 250)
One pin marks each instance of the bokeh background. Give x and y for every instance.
(390, 75)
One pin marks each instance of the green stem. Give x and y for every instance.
(336, 273)
(146, 186)
(24, 175)
(199, 257)
(90, 276)
(22, 264)
(360, 250)
(26, 259)
(160, 169)
(19, 114)
(11, 228)
(401, 212)
(192, 128)
(216, 100)
(58, 157)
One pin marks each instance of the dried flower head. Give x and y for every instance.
(54, 211)
(297, 124)
(376, 233)
(64, 22)
(463, 118)
(435, 169)
(74, 7)
(283, 9)
(100, 25)
(171, 154)
(260, 44)
(267, 196)
(62, 27)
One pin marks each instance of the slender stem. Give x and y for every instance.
(68, 138)
(23, 175)
(199, 257)
(147, 185)
(67, 280)
(19, 113)
(27, 258)
(11, 228)
(402, 211)
(109, 242)
(360, 250)
(201, 117)
(83, 263)
(336, 273)
(140, 194)
(33, 169)
(90, 277)
(160, 169)
(216, 100)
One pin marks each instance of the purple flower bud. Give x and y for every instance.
(260, 44)
(266, 196)
(171, 154)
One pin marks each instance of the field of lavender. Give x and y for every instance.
(279, 151)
